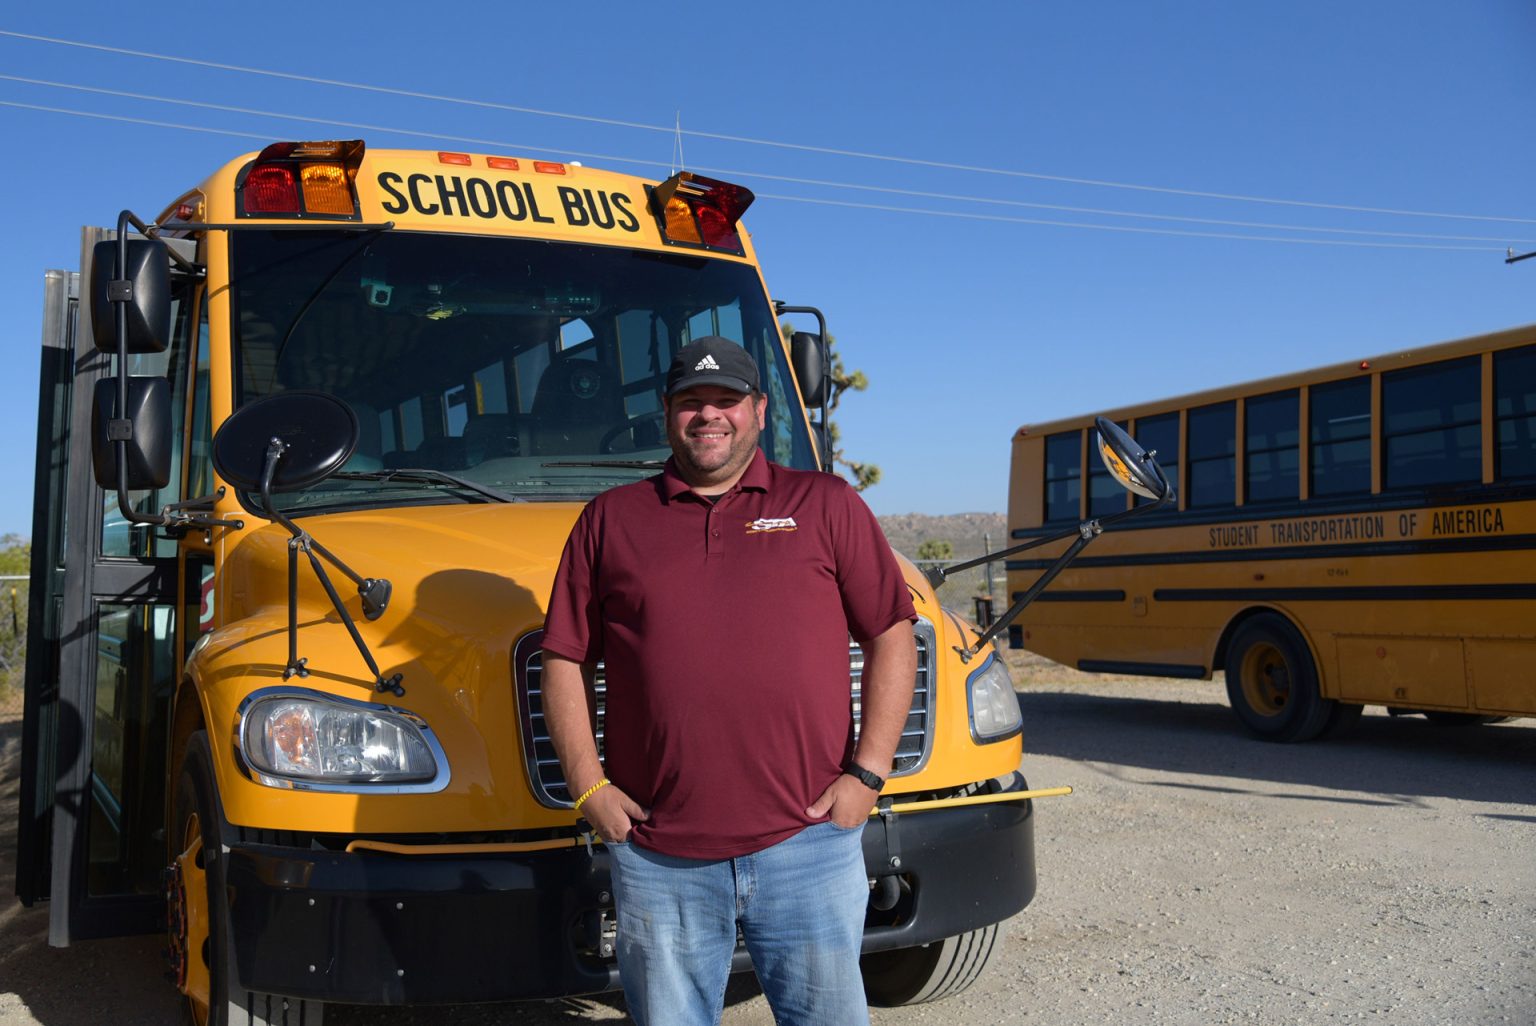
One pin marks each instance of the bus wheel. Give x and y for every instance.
(201, 954)
(910, 976)
(1272, 682)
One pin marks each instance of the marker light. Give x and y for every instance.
(547, 167)
(298, 178)
(272, 190)
(502, 163)
(326, 189)
(453, 158)
(699, 211)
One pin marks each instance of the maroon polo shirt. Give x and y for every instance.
(724, 629)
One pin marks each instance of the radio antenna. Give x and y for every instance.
(678, 163)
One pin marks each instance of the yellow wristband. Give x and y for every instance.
(588, 793)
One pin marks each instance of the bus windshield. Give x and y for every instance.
(530, 368)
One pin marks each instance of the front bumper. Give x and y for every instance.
(374, 928)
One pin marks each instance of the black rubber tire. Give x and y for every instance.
(911, 976)
(1344, 718)
(1272, 681)
(196, 792)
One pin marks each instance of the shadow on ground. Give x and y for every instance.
(1384, 756)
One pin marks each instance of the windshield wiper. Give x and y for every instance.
(647, 464)
(426, 475)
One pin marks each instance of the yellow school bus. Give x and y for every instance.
(1362, 533)
(310, 443)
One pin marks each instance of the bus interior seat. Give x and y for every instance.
(575, 404)
(489, 436)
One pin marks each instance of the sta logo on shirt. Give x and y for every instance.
(768, 525)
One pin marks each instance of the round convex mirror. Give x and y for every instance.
(318, 430)
(1128, 462)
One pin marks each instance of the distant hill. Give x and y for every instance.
(968, 533)
(965, 531)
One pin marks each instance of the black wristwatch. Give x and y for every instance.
(863, 776)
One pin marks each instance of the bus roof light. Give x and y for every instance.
(503, 163)
(271, 189)
(298, 178)
(548, 167)
(701, 211)
(453, 158)
(326, 189)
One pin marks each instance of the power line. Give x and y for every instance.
(739, 173)
(847, 203)
(1130, 228)
(749, 140)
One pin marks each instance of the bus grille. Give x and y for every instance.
(544, 768)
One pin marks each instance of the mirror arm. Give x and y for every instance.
(937, 574)
(369, 589)
(824, 429)
(1086, 532)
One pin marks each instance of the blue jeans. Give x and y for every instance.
(799, 904)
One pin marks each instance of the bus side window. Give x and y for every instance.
(1271, 447)
(1340, 436)
(1514, 408)
(1213, 455)
(1063, 476)
(1431, 424)
(1105, 496)
(1160, 434)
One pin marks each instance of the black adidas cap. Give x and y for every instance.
(712, 360)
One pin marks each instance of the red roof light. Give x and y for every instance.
(272, 189)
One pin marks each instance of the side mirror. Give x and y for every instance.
(809, 360)
(1129, 463)
(149, 312)
(288, 441)
(284, 442)
(149, 450)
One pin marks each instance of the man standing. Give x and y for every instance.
(721, 595)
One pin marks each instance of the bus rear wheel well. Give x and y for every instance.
(1223, 644)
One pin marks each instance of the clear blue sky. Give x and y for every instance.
(969, 318)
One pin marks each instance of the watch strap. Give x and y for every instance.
(870, 780)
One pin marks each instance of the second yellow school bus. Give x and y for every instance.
(1361, 533)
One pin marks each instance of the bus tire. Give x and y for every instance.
(1344, 718)
(911, 976)
(1272, 681)
(197, 861)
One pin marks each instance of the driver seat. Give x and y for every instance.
(577, 402)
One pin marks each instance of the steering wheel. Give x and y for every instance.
(605, 444)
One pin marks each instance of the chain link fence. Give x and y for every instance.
(13, 645)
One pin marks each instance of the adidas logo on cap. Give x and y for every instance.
(708, 363)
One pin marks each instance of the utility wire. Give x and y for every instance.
(738, 173)
(1129, 228)
(802, 147)
(850, 204)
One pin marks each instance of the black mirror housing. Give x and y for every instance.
(149, 311)
(809, 362)
(149, 450)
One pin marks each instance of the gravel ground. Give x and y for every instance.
(1195, 877)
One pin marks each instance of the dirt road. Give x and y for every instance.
(1195, 877)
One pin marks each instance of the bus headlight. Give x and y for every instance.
(310, 741)
(993, 705)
